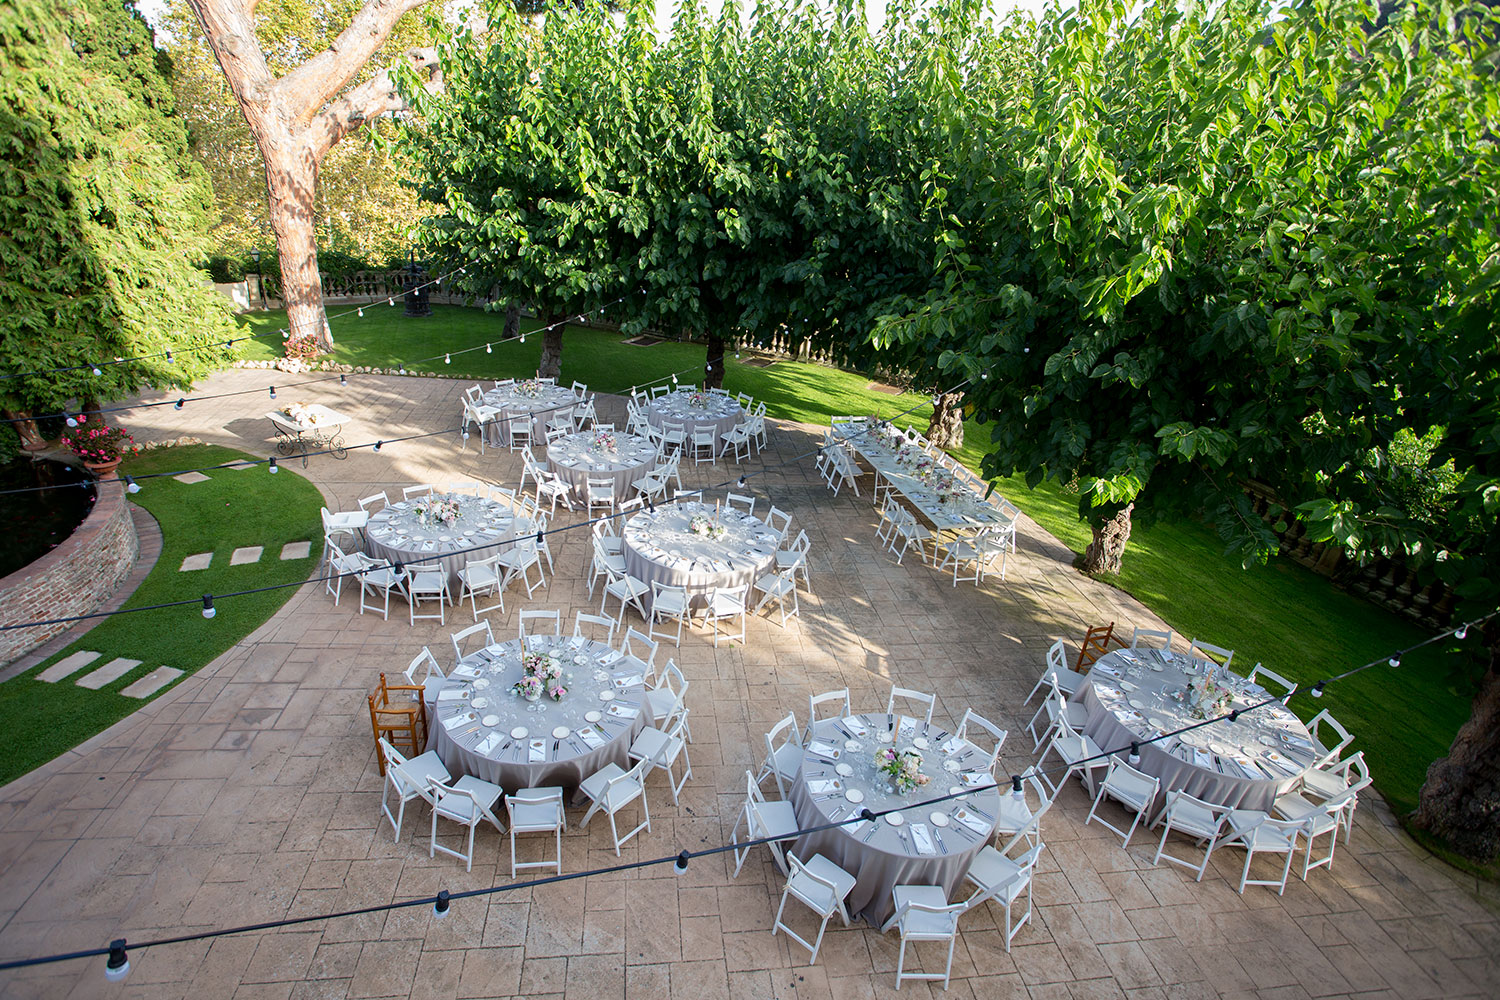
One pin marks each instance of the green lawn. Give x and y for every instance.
(235, 508)
(1294, 621)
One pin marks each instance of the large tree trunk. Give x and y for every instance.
(713, 369)
(512, 328)
(291, 179)
(1460, 801)
(946, 428)
(1108, 547)
(26, 430)
(551, 360)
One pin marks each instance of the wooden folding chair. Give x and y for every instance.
(1095, 644)
(402, 722)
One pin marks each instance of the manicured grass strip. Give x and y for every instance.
(235, 508)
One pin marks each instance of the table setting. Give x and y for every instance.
(1138, 694)
(446, 529)
(697, 546)
(893, 762)
(695, 409)
(551, 712)
(541, 400)
(623, 458)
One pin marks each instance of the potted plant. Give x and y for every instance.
(101, 446)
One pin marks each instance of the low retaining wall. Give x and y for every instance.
(73, 579)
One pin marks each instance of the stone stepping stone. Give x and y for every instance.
(111, 671)
(152, 682)
(199, 561)
(68, 665)
(191, 477)
(296, 550)
(248, 554)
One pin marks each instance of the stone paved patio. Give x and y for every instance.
(250, 792)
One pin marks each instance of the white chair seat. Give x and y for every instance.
(780, 820)
(786, 761)
(348, 520)
(535, 817)
(1193, 820)
(477, 577)
(991, 868)
(726, 604)
(667, 602)
(653, 744)
(418, 769)
(817, 894)
(920, 923)
(1246, 825)
(1295, 807)
(1324, 784)
(773, 585)
(1131, 790)
(593, 785)
(462, 808)
(1013, 814)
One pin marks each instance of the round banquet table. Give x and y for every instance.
(1243, 764)
(718, 411)
(881, 855)
(477, 737)
(577, 458)
(484, 528)
(517, 401)
(659, 547)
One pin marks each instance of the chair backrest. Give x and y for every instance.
(541, 618)
(996, 733)
(1057, 659)
(827, 894)
(1200, 650)
(786, 728)
(740, 501)
(393, 758)
(554, 433)
(635, 777)
(1219, 812)
(1331, 749)
(534, 797)
(1137, 635)
(1019, 876)
(580, 387)
(910, 695)
(814, 700)
(801, 543)
(641, 646)
(365, 503)
(602, 621)
(1258, 671)
(1095, 644)
(460, 636)
(325, 513)
(425, 656)
(673, 681)
(779, 520)
(407, 492)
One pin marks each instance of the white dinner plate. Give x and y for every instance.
(592, 716)
(518, 733)
(843, 769)
(491, 720)
(560, 732)
(580, 659)
(886, 737)
(920, 743)
(1136, 703)
(1268, 741)
(854, 795)
(1218, 749)
(895, 819)
(480, 702)
(939, 819)
(853, 745)
(952, 765)
(1157, 724)
(606, 696)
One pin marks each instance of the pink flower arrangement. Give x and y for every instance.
(541, 673)
(95, 441)
(904, 767)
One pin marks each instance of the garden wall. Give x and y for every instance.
(73, 579)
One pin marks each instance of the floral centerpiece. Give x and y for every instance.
(431, 510)
(302, 415)
(945, 487)
(542, 673)
(903, 767)
(97, 443)
(704, 526)
(602, 441)
(698, 400)
(1205, 697)
(531, 388)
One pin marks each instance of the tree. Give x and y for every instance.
(100, 215)
(297, 117)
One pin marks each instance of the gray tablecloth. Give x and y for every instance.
(1207, 763)
(659, 548)
(719, 412)
(515, 402)
(890, 857)
(490, 752)
(483, 528)
(576, 462)
(963, 508)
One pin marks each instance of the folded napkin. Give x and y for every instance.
(537, 750)
(1107, 670)
(823, 749)
(908, 727)
(972, 821)
(622, 711)
(468, 673)
(458, 720)
(611, 657)
(922, 839)
(629, 680)
(488, 744)
(1202, 758)
(591, 736)
(975, 778)
(1129, 657)
(577, 642)
(955, 745)
(823, 786)
(1249, 769)
(494, 649)
(453, 694)
(855, 726)
(1297, 741)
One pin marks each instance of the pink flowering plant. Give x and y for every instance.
(97, 442)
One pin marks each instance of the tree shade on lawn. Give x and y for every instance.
(234, 508)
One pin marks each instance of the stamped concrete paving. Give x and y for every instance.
(249, 792)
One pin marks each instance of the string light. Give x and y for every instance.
(343, 379)
(1394, 661)
(208, 606)
(378, 444)
(390, 301)
(489, 348)
(1135, 755)
(447, 359)
(272, 466)
(1317, 689)
(273, 392)
(96, 372)
(680, 865)
(178, 404)
(72, 421)
(117, 966)
(131, 486)
(440, 907)
(1463, 631)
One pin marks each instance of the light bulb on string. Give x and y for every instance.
(390, 302)
(1394, 661)
(96, 371)
(343, 380)
(208, 606)
(285, 334)
(680, 865)
(169, 355)
(1317, 689)
(131, 486)
(271, 466)
(72, 421)
(273, 392)
(447, 359)
(360, 313)
(378, 444)
(674, 379)
(523, 338)
(440, 907)
(403, 370)
(489, 348)
(117, 966)
(178, 405)
(1135, 754)
(1463, 632)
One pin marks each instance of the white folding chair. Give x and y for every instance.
(779, 587)
(1319, 819)
(1057, 668)
(1202, 821)
(377, 576)
(1148, 634)
(461, 637)
(1258, 833)
(605, 561)
(1055, 707)
(997, 877)
(725, 604)
(1079, 752)
(705, 445)
(907, 694)
(775, 822)
(668, 604)
(737, 439)
(341, 565)
(518, 429)
(428, 664)
(482, 578)
(582, 618)
(1327, 750)
(995, 733)
(638, 646)
(540, 618)
(626, 589)
(661, 749)
(923, 913)
(428, 584)
(1259, 675)
(1324, 783)
(1200, 650)
(840, 698)
(601, 494)
(518, 561)
(350, 523)
(965, 556)
(740, 502)
(1133, 789)
(408, 779)
(779, 521)
(367, 502)
(821, 886)
(467, 802)
(784, 759)
(611, 789)
(536, 810)
(667, 700)
(1019, 820)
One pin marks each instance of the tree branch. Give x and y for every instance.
(313, 84)
(368, 101)
(229, 27)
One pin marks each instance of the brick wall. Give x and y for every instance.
(73, 579)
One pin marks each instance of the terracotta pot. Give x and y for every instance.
(102, 469)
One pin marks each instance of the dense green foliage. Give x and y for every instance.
(99, 212)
